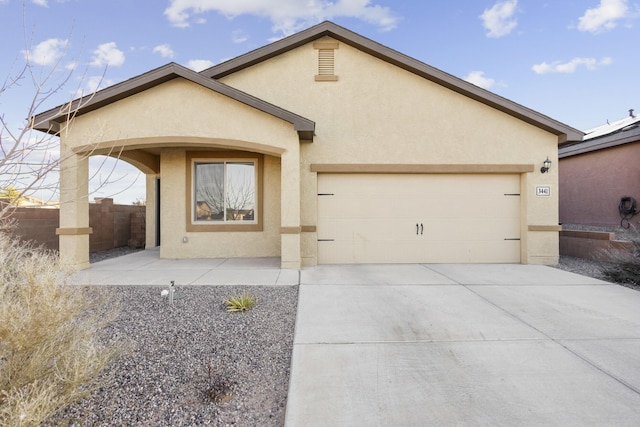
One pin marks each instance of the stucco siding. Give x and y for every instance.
(181, 113)
(189, 117)
(377, 113)
(173, 215)
(592, 184)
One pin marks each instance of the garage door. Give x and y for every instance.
(405, 218)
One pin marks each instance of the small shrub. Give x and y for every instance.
(217, 390)
(242, 302)
(49, 348)
(623, 266)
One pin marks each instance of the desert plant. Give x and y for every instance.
(217, 389)
(50, 353)
(242, 302)
(623, 265)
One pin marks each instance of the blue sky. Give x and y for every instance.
(573, 60)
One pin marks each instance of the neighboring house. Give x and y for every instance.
(600, 176)
(32, 202)
(35, 202)
(343, 151)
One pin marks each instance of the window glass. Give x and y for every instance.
(225, 191)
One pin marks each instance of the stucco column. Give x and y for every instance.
(74, 209)
(290, 209)
(150, 211)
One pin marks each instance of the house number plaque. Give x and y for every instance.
(543, 191)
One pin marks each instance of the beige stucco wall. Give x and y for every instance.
(377, 113)
(173, 217)
(74, 209)
(181, 113)
(188, 117)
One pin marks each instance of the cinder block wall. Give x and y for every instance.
(590, 244)
(113, 226)
(38, 225)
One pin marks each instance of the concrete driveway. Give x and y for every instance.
(418, 345)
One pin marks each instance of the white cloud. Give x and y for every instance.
(46, 53)
(603, 17)
(42, 3)
(287, 16)
(499, 20)
(90, 85)
(199, 64)
(571, 66)
(164, 50)
(239, 36)
(95, 83)
(107, 54)
(478, 79)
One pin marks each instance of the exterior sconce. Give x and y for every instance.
(547, 165)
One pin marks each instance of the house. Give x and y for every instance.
(599, 188)
(343, 150)
(600, 177)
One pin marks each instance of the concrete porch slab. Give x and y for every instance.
(147, 268)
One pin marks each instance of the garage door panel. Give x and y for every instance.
(461, 218)
(461, 231)
(370, 229)
(341, 206)
(346, 252)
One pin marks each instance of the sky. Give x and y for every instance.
(572, 60)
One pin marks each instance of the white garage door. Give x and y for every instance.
(405, 218)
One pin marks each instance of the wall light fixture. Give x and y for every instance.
(547, 165)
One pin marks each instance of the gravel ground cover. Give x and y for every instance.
(193, 363)
(587, 268)
(582, 266)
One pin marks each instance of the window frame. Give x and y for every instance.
(223, 156)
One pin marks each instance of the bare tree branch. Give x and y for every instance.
(29, 158)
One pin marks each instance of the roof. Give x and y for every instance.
(49, 121)
(622, 125)
(609, 135)
(565, 133)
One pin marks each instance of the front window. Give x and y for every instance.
(225, 192)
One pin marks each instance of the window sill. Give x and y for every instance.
(199, 227)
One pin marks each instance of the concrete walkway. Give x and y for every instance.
(146, 268)
(421, 345)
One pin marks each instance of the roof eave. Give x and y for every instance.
(601, 143)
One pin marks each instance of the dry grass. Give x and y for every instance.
(49, 347)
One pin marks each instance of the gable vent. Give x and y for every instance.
(326, 61)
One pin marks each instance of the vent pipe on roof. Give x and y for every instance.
(631, 113)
